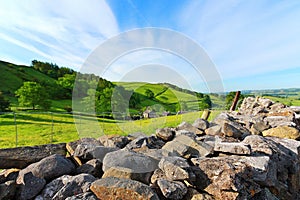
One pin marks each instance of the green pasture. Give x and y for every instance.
(28, 129)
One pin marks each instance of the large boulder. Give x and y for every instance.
(21, 157)
(128, 164)
(48, 168)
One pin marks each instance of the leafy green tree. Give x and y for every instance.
(229, 99)
(33, 94)
(204, 102)
(4, 103)
(149, 93)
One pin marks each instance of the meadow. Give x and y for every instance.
(25, 128)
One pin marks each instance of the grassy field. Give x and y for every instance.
(44, 128)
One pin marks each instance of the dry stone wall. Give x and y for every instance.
(249, 154)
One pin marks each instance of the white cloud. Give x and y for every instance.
(60, 31)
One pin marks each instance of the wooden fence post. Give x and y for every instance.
(236, 98)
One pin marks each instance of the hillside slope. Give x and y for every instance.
(13, 76)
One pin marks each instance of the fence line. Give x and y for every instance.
(50, 126)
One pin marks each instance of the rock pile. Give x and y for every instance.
(249, 154)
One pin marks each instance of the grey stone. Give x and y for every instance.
(188, 127)
(165, 134)
(265, 194)
(30, 186)
(187, 147)
(201, 124)
(125, 189)
(177, 148)
(232, 148)
(53, 187)
(172, 189)
(8, 190)
(49, 168)
(145, 142)
(88, 152)
(9, 175)
(21, 157)
(214, 130)
(157, 175)
(193, 194)
(83, 196)
(83, 141)
(176, 168)
(126, 164)
(76, 185)
(93, 167)
(115, 141)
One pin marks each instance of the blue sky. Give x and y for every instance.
(253, 44)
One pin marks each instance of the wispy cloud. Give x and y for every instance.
(58, 31)
(246, 37)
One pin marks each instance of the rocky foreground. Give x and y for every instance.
(250, 154)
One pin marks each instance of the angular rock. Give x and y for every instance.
(88, 152)
(48, 168)
(201, 124)
(53, 187)
(265, 194)
(125, 189)
(76, 185)
(126, 164)
(193, 194)
(229, 178)
(145, 142)
(93, 167)
(258, 144)
(157, 154)
(172, 189)
(8, 190)
(30, 186)
(283, 132)
(214, 130)
(66, 186)
(232, 148)
(21, 157)
(177, 148)
(188, 127)
(176, 168)
(83, 196)
(115, 141)
(82, 141)
(165, 134)
(187, 147)
(157, 175)
(9, 175)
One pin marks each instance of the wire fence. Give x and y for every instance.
(36, 128)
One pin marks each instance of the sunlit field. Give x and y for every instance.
(26, 129)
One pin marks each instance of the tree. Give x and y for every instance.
(33, 94)
(149, 93)
(4, 103)
(229, 99)
(205, 102)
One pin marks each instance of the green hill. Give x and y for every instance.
(165, 96)
(13, 76)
